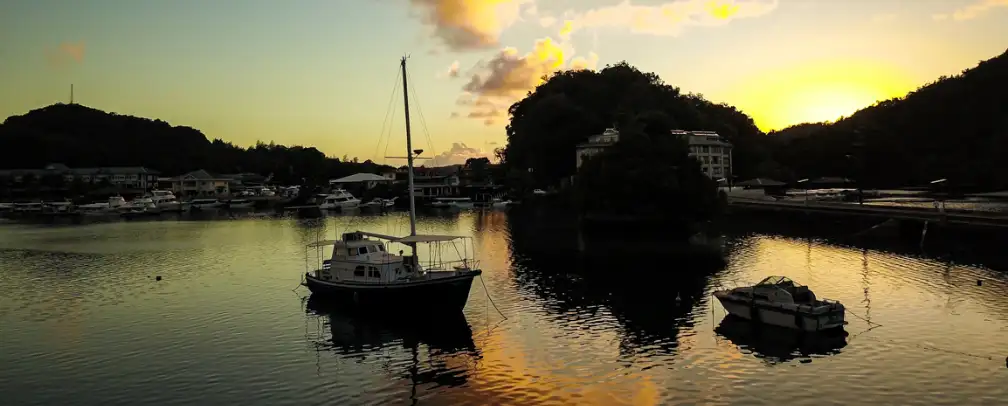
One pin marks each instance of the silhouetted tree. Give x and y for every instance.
(954, 128)
(570, 106)
(479, 167)
(80, 136)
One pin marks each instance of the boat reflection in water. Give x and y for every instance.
(441, 348)
(778, 344)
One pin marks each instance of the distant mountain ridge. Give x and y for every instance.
(954, 128)
(80, 136)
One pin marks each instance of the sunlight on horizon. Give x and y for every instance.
(817, 92)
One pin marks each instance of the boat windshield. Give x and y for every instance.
(781, 281)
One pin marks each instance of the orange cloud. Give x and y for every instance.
(471, 24)
(508, 76)
(972, 11)
(566, 30)
(453, 70)
(65, 54)
(670, 18)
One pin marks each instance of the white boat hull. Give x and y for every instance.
(350, 204)
(783, 317)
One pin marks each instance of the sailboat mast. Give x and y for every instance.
(409, 150)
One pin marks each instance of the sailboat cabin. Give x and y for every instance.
(360, 259)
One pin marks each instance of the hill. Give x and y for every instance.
(80, 136)
(954, 128)
(570, 106)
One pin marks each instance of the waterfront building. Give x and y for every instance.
(199, 183)
(595, 145)
(442, 181)
(712, 151)
(707, 147)
(124, 177)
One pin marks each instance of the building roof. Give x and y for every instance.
(361, 177)
(760, 182)
(202, 175)
(702, 137)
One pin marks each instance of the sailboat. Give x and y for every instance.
(362, 270)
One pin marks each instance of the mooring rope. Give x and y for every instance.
(487, 291)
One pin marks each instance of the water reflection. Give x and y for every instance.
(776, 344)
(653, 297)
(82, 321)
(440, 347)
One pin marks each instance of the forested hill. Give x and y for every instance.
(954, 128)
(546, 125)
(80, 136)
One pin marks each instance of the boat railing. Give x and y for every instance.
(457, 265)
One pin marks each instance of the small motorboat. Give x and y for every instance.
(779, 301)
(378, 204)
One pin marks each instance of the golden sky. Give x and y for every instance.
(321, 73)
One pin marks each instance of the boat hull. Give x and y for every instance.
(449, 293)
(782, 317)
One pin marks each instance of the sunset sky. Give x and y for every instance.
(321, 73)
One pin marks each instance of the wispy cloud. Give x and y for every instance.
(972, 11)
(509, 75)
(494, 84)
(452, 72)
(465, 25)
(669, 18)
(66, 54)
(457, 155)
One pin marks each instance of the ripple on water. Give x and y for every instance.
(84, 322)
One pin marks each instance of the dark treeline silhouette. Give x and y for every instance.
(955, 128)
(79, 136)
(570, 106)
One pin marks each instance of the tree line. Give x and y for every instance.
(79, 136)
(955, 128)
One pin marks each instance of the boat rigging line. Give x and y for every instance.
(387, 122)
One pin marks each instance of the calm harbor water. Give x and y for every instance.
(83, 321)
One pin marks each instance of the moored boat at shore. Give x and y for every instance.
(779, 301)
(361, 270)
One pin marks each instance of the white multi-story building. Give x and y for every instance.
(596, 144)
(713, 152)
